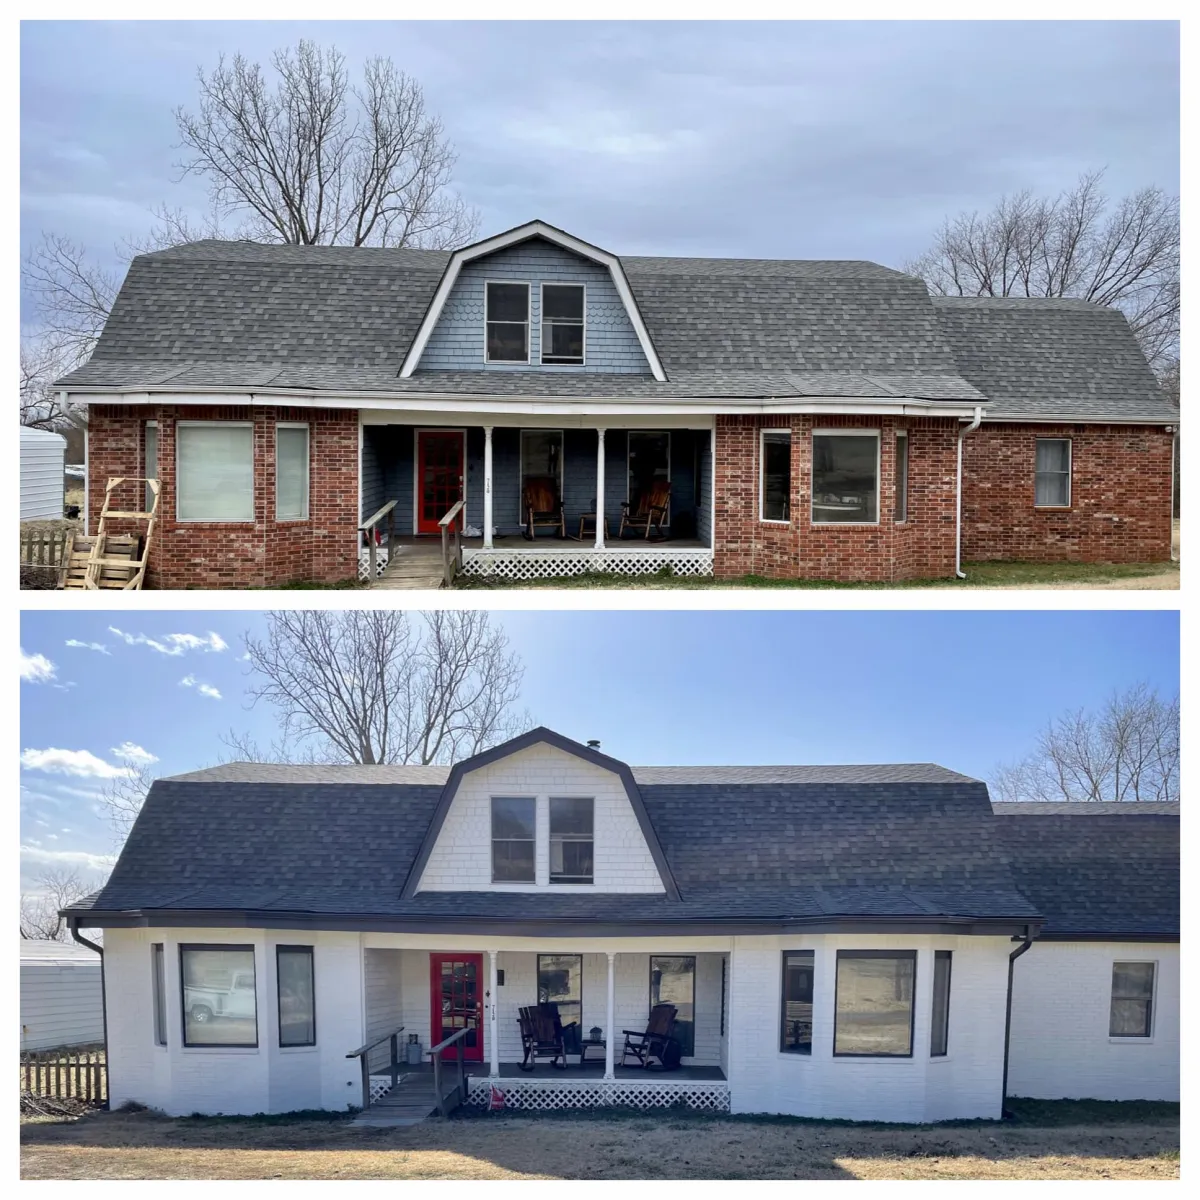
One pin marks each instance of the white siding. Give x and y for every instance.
(461, 859)
(42, 455)
(383, 984)
(1060, 1043)
(60, 1004)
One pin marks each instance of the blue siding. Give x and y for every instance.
(704, 515)
(457, 343)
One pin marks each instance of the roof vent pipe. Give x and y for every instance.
(962, 433)
(593, 743)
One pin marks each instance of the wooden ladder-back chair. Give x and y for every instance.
(651, 510)
(542, 507)
(541, 1037)
(652, 1041)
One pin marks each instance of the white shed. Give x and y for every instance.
(42, 458)
(61, 1001)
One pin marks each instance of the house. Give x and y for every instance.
(836, 941)
(61, 1002)
(794, 419)
(42, 454)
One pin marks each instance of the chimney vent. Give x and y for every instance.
(593, 743)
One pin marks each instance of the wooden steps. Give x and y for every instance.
(408, 1103)
(413, 565)
(115, 561)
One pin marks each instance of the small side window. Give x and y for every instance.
(775, 482)
(939, 1034)
(158, 975)
(1131, 1011)
(901, 477)
(1052, 473)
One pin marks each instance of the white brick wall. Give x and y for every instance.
(462, 857)
(1060, 1043)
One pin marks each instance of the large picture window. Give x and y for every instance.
(1131, 1013)
(297, 1000)
(158, 982)
(1052, 473)
(571, 839)
(514, 826)
(939, 1028)
(291, 473)
(775, 484)
(873, 1011)
(560, 981)
(219, 1000)
(562, 323)
(795, 1035)
(673, 981)
(845, 478)
(507, 322)
(214, 475)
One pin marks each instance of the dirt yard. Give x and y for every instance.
(144, 1146)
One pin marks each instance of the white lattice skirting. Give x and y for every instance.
(364, 562)
(381, 1085)
(532, 564)
(584, 1093)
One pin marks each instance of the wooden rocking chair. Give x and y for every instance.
(541, 1037)
(542, 507)
(651, 510)
(652, 1042)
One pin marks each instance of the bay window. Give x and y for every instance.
(297, 1005)
(845, 477)
(873, 1010)
(220, 1005)
(214, 473)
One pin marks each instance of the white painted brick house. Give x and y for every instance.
(830, 941)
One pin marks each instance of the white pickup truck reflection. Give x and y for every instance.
(237, 1000)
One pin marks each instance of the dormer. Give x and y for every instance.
(534, 299)
(541, 813)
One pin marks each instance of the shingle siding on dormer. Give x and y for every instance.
(457, 343)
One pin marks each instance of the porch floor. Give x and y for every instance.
(593, 1071)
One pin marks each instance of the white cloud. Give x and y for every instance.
(174, 644)
(82, 763)
(99, 647)
(32, 852)
(36, 668)
(205, 689)
(132, 752)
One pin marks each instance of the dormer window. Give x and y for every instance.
(507, 322)
(514, 828)
(562, 324)
(571, 839)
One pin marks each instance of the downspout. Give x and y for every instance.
(74, 927)
(1026, 942)
(962, 433)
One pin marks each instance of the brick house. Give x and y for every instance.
(837, 942)
(805, 419)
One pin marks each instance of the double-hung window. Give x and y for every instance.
(297, 1004)
(563, 306)
(214, 473)
(572, 825)
(1131, 1011)
(1052, 473)
(775, 482)
(514, 825)
(507, 322)
(845, 477)
(873, 1011)
(291, 472)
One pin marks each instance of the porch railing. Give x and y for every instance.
(451, 564)
(447, 1102)
(363, 1054)
(368, 527)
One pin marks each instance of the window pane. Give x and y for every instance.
(777, 476)
(507, 302)
(219, 996)
(297, 1006)
(159, 978)
(569, 815)
(796, 1034)
(874, 1003)
(291, 473)
(844, 482)
(673, 981)
(562, 302)
(649, 460)
(541, 455)
(1053, 454)
(150, 469)
(902, 478)
(562, 343)
(940, 1026)
(570, 862)
(507, 343)
(512, 862)
(216, 473)
(513, 817)
(560, 981)
(1052, 472)
(1132, 997)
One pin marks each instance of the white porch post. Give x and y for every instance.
(493, 1003)
(600, 546)
(610, 1041)
(487, 497)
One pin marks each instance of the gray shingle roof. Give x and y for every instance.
(1097, 870)
(238, 315)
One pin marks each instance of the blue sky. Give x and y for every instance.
(803, 139)
(963, 689)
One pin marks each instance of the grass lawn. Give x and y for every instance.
(1060, 1140)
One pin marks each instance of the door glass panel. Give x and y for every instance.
(673, 981)
(459, 1001)
(441, 476)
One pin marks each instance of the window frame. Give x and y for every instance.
(235, 1046)
(762, 478)
(533, 841)
(181, 425)
(783, 1002)
(580, 880)
(282, 520)
(650, 994)
(900, 511)
(1070, 473)
(948, 957)
(912, 1007)
(521, 475)
(509, 362)
(542, 285)
(1151, 1005)
(148, 499)
(312, 975)
(877, 434)
(158, 991)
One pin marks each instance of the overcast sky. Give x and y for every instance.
(806, 140)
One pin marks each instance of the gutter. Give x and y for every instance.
(73, 925)
(962, 433)
(1026, 942)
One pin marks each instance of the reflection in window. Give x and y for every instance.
(1131, 1010)
(873, 1013)
(776, 475)
(513, 826)
(571, 841)
(673, 981)
(219, 1005)
(845, 478)
(939, 1035)
(159, 980)
(649, 467)
(560, 981)
(541, 459)
(796, 1033)
(508, 322)
(562, 323)
(297, 1006)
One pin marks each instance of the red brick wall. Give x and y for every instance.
(258, 553)
(921, 546)
(1120, 495)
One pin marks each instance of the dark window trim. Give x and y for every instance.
(783, 957)
(532, 841)
(158, 987)
(1152, 963)
(537, 984)
(724, 970)
(183, 946)
(312, 975)
(650, 991)
(584, 879)
(912, 1007)
(948, 955)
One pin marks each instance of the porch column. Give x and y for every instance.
(610, 1040)
(493, 1002)
(600, 546)
(487, 495)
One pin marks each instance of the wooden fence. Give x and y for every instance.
(46, 543)
(80, 1075)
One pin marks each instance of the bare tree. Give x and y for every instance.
(40, 908)
(1075, 244)
(123, 797)
(42, 362)
(1127, 750)
(379, 687)
(312, 159)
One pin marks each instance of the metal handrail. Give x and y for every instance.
(450, 566)
(435, 1053)
(361, 1054)
(368, 527)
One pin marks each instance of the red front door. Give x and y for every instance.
(439, 476)
(455, 1000)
